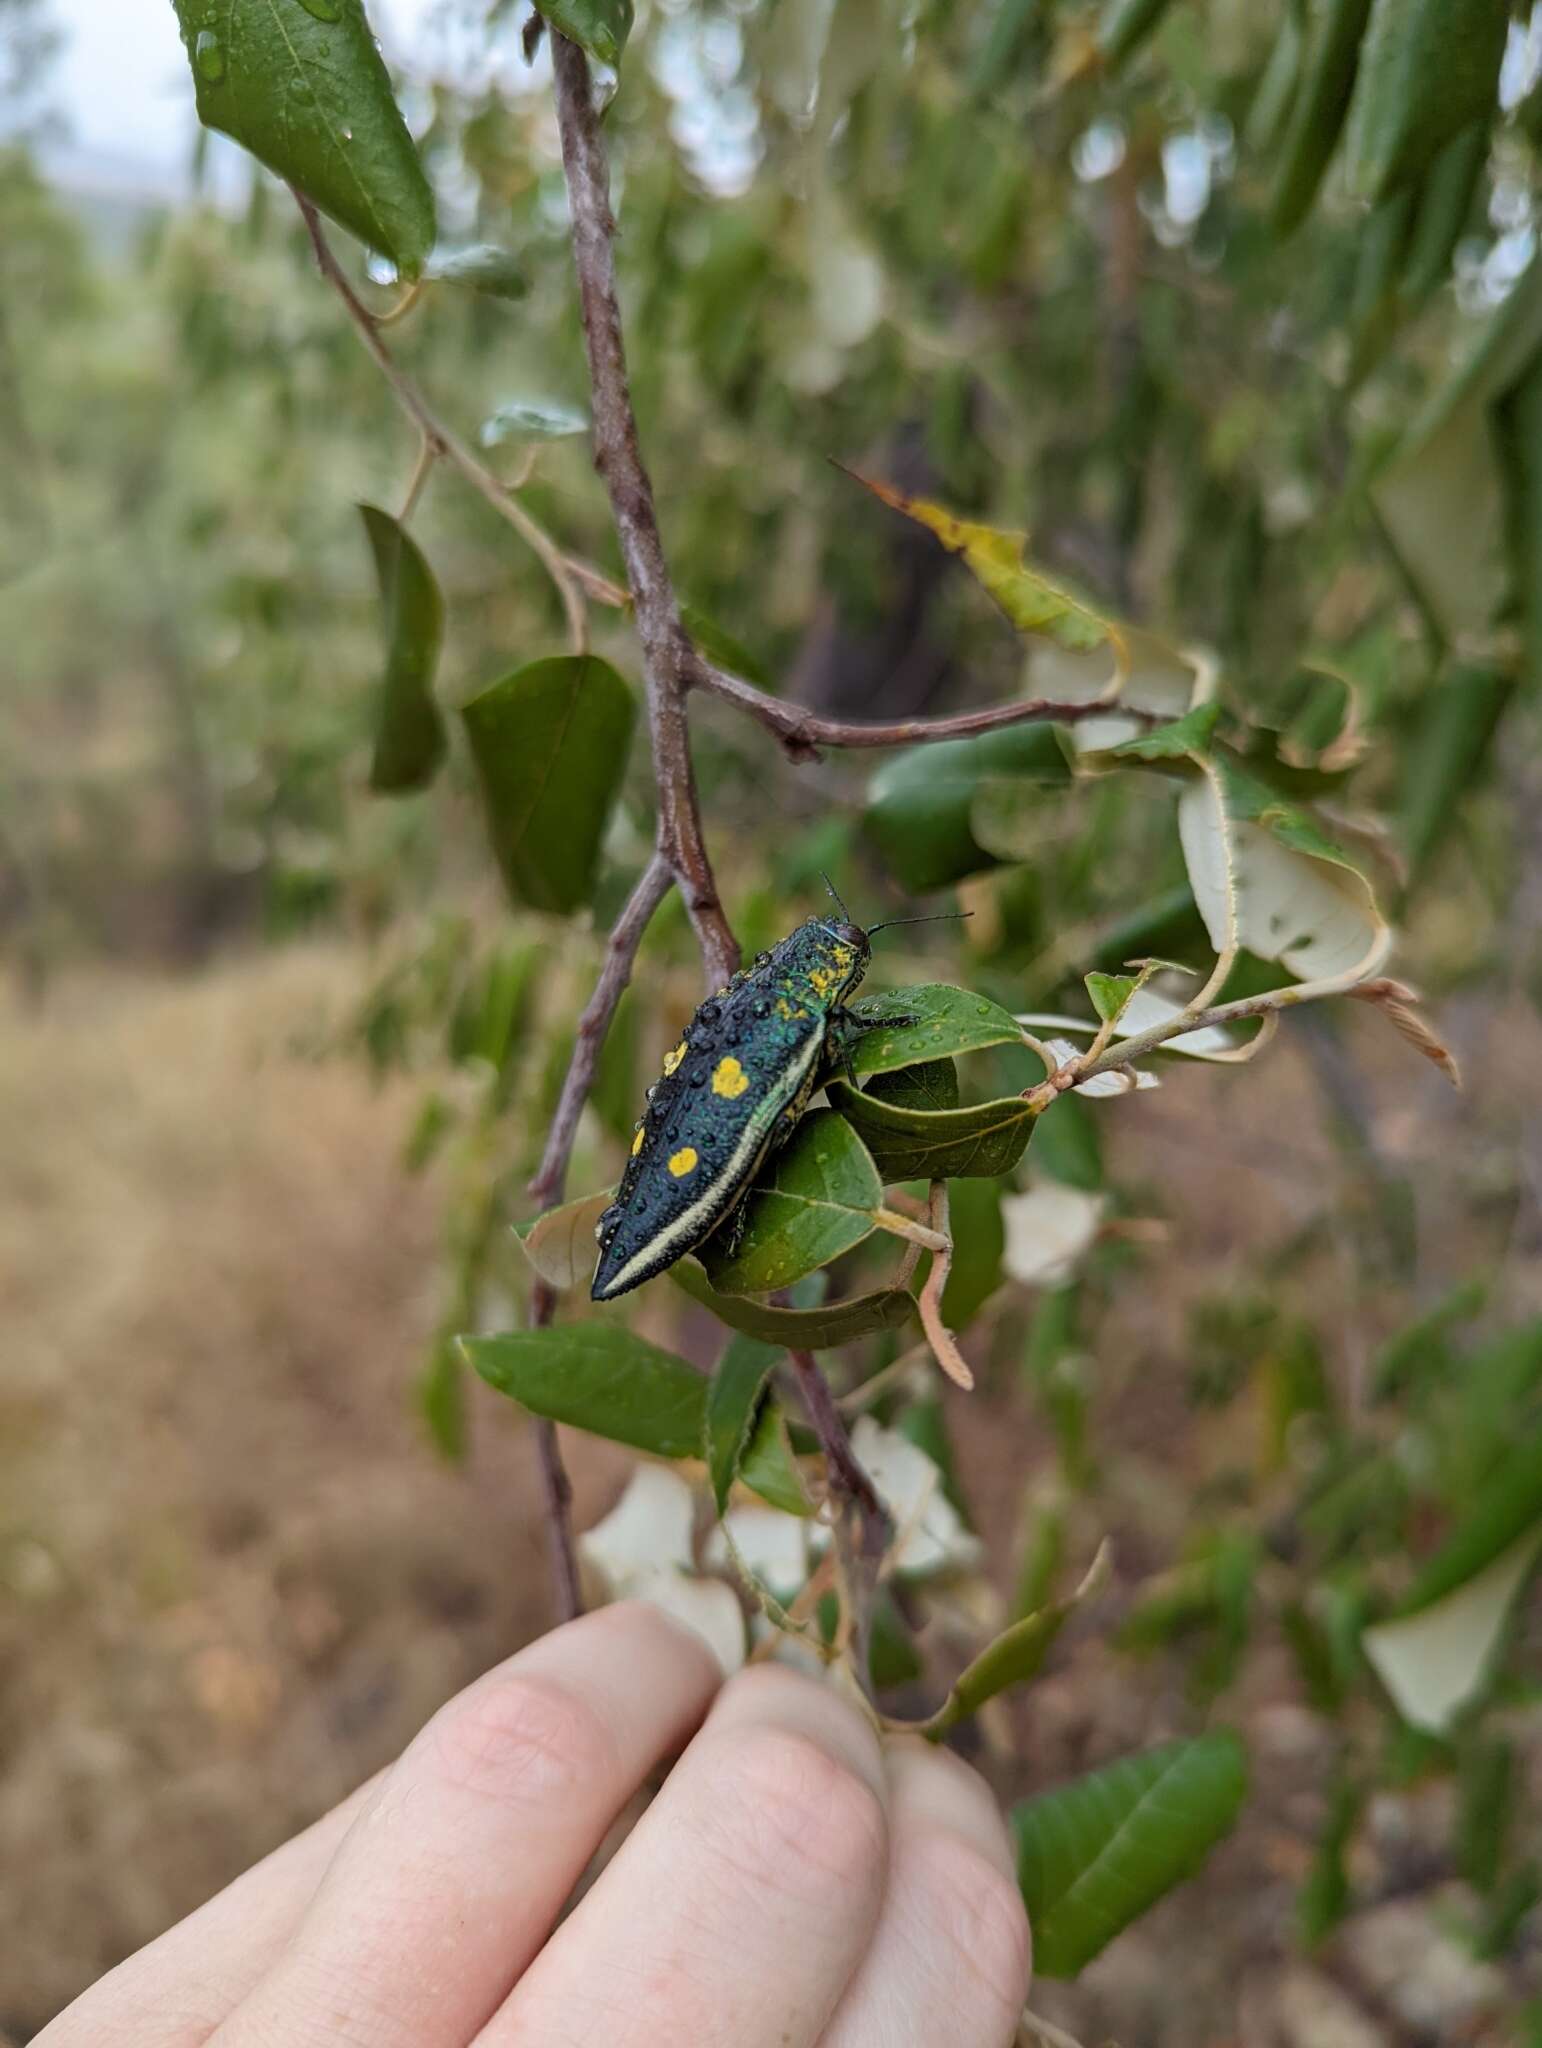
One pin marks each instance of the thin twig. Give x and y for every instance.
(929, 1300)
(566, 1590)
(652, 887)
(1126, 1051)
(570, 578)
(427, 456)
(666, 650)
(803, 732)
(862, 1526)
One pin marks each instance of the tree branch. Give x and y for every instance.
(860, 1514)
(667, 652)
(573, 579)
(653, 886)
(804, 732)
(1123, 1052)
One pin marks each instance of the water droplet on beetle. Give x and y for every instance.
(762, 1009)
(209, 56)
(324, 10)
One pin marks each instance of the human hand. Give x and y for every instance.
(794, 1882)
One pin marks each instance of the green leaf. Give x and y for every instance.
(1181, 740)
(1110, 994)
(1067, 1145)
(442, 1399)
(1124, 25)
(480, 267)
(531, 419)
(920, 803)
(1428, 68)
(931, 1085)
(1095, 1854)
(945, 1022)
(995, 558)
(601, 26)
(599, 1377)
(1454, 724)
(306, 91)
(986, 1139)
(1015, 1656)
(550, 744)
(978, 1238)
(1511, 1506)
(409, 732)
(799, 1329)
(813, 1200)
(1318, 110)
(733, 1402)
(720, 646)
(1446, 201)
(1447, 456)
(1324, 1897)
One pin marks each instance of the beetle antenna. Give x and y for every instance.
(933, 917)
(837, 895)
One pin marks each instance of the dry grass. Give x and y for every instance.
(233, 1577)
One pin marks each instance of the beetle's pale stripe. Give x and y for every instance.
(661, 1251)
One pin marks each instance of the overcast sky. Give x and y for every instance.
(121, 81)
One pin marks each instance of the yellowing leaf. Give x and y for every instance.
(995, 557)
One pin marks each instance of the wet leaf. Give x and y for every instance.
(799, 1329)
(931, 1085)
(550, 745)
(409, 731)
(945, 1022)
(985, 1139)
(1095, 1854)
(813, 1200)
(307, 92)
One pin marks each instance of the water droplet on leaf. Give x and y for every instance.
(209, 56)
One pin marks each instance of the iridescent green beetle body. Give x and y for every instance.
(731, 1089)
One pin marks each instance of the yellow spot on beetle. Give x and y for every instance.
(637, 1142)
(822, 979)
(673, 1059)
(729, 1079)
(683, 1162)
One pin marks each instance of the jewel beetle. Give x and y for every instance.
(731, 1091)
